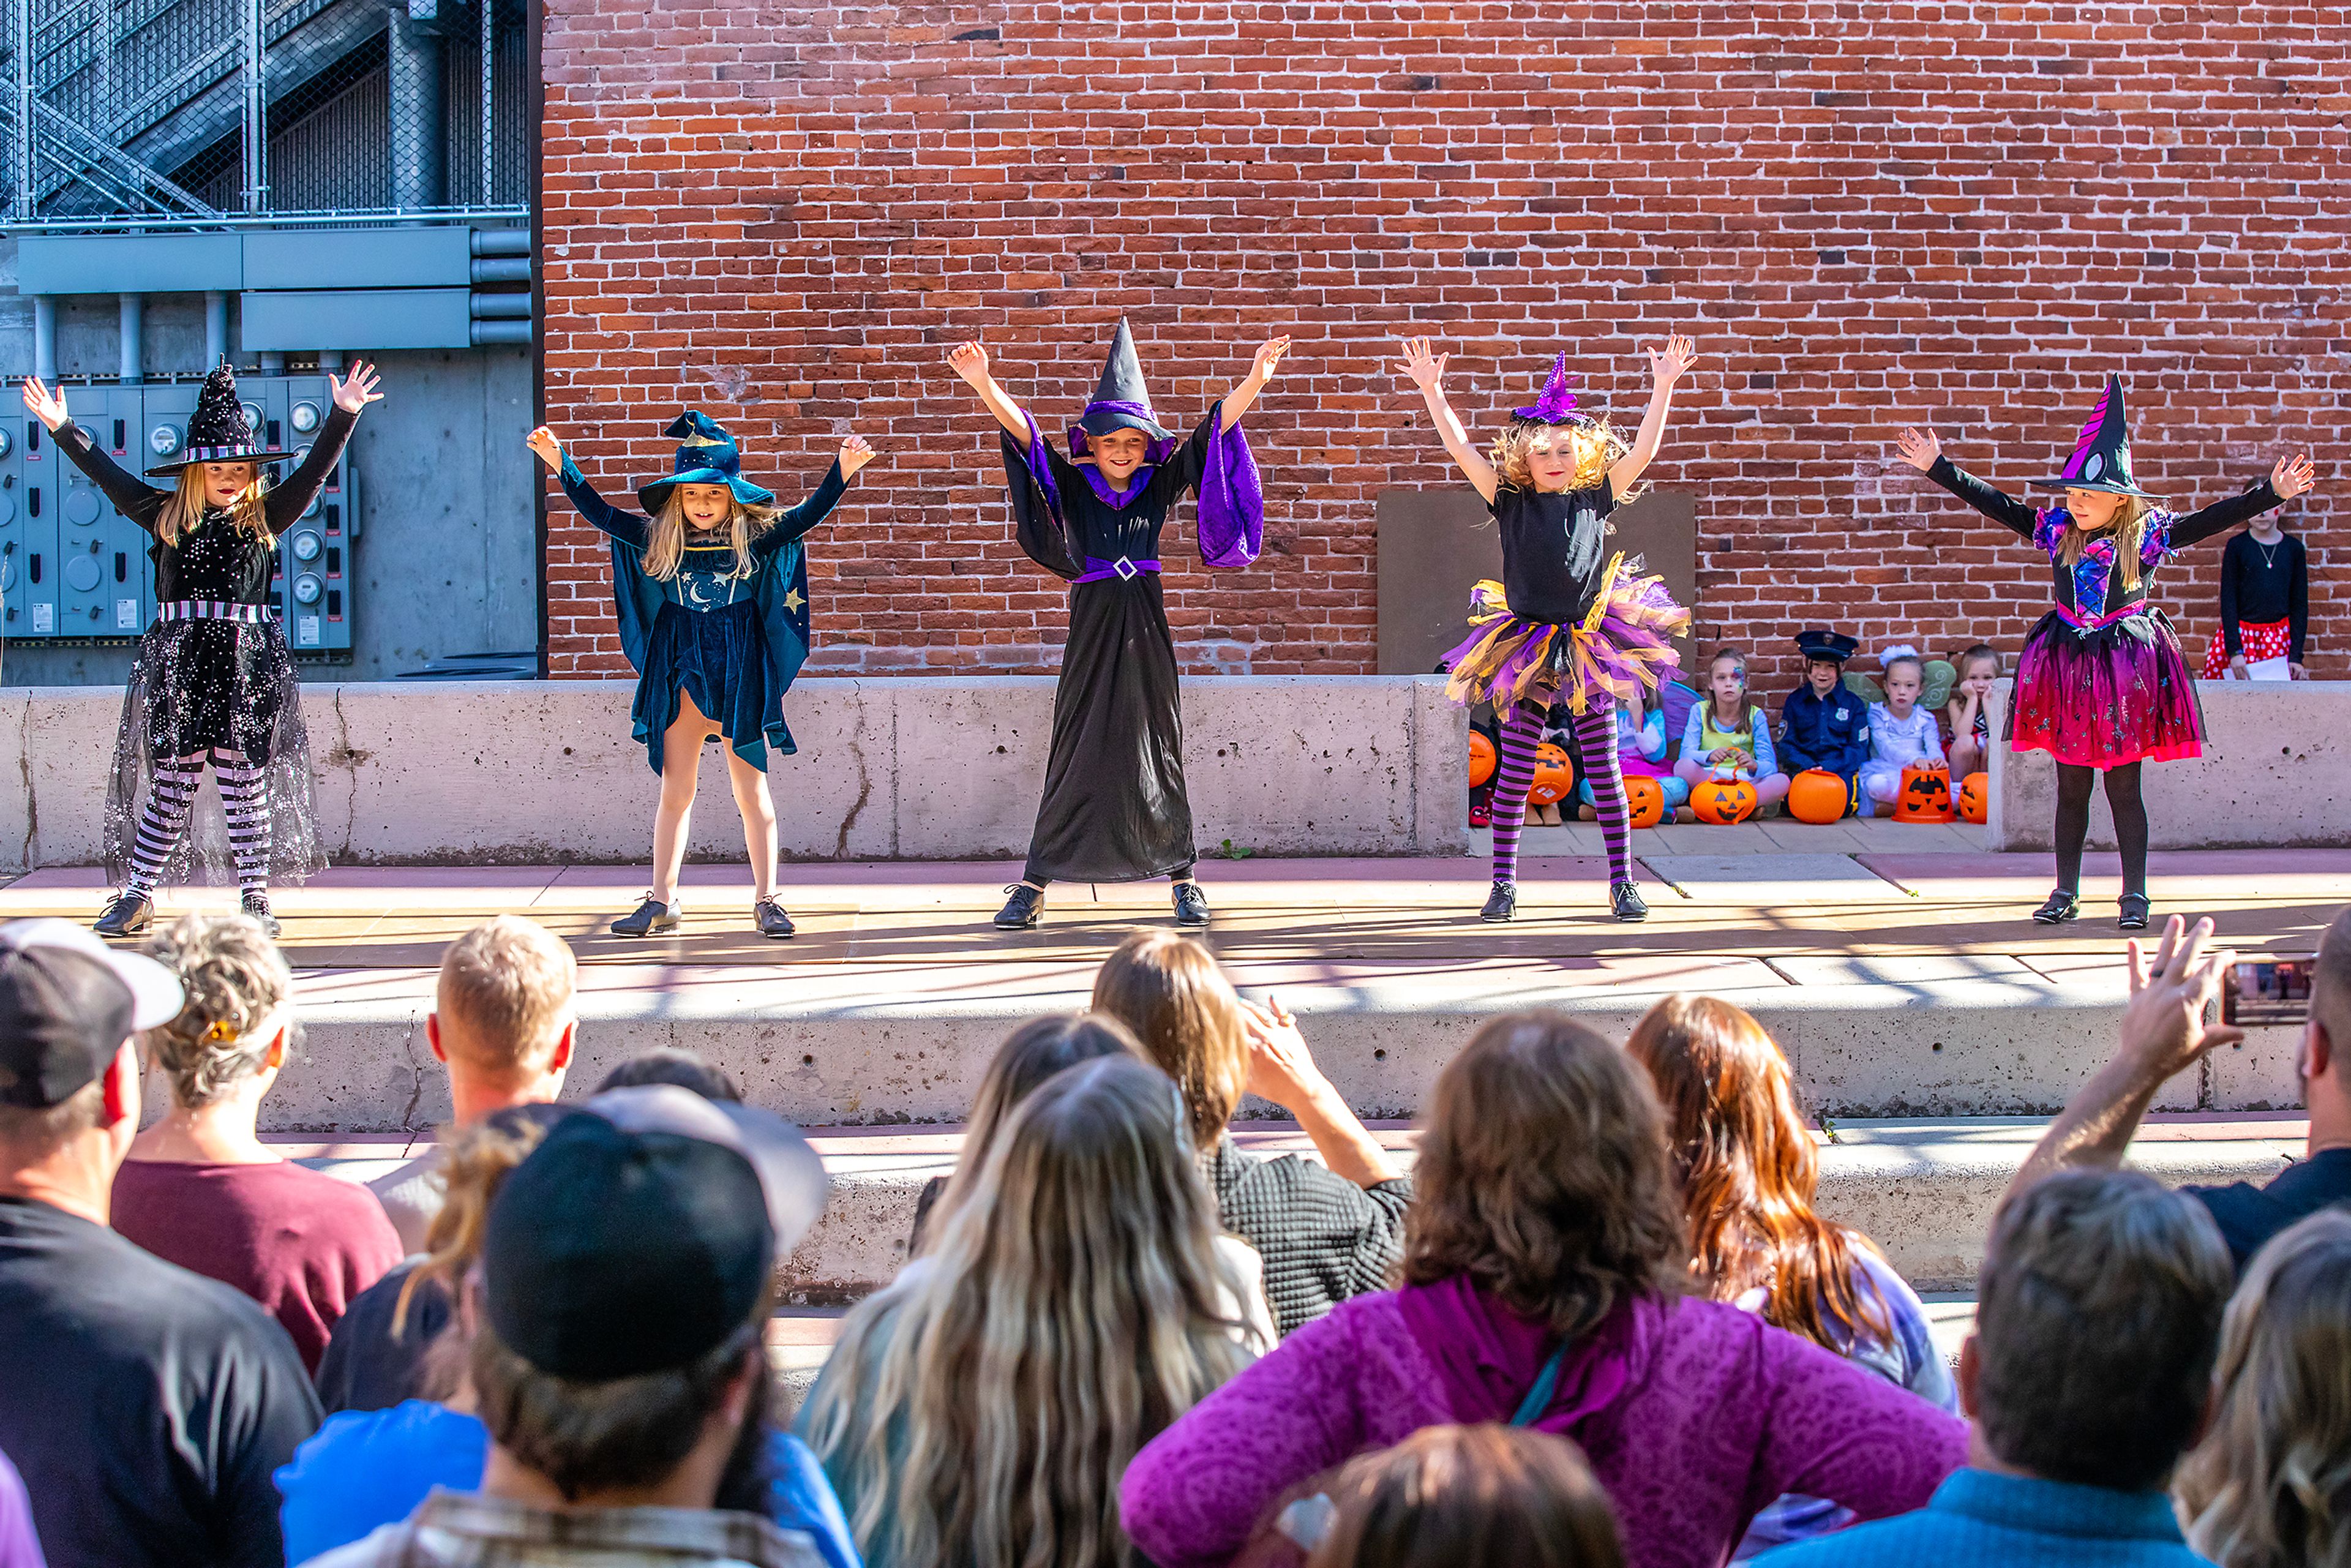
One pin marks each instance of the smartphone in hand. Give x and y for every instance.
(2267, 993)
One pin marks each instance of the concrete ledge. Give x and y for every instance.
(2275, 773)
(888, 768)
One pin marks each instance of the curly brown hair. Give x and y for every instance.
(237, 983)
(1544, 1176)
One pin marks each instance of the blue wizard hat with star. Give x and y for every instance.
(706, 455)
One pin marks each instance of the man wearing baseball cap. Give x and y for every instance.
(146, 1406)
(618, 1357)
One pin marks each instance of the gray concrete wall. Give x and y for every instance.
(909, 768)
(2276, 772)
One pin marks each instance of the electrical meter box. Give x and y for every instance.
(74, 570)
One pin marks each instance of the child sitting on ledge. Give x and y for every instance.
(1901, 733)
(1728, 738)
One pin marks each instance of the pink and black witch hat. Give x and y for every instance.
(1557, 403)
(2102, 459)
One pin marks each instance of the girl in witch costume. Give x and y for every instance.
(213, 685)
(2101, 685)
(710, 586)
(1114, 808)
(1569, 622)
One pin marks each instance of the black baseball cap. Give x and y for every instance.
(67, 1004)
(637, 1237)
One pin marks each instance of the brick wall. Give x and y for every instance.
(1866, 213)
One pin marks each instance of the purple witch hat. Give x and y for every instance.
(1120, 401)
(2102, 459)
(1557, 403)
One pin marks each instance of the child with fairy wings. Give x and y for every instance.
(1114, 806)
(1569, 622)
(710, 587)
(2102, 685)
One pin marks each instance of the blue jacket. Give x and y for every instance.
(1978, 1520)
(1830, 732)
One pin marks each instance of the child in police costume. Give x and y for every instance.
(1822, 725)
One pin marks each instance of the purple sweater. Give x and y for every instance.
(1693, 1415)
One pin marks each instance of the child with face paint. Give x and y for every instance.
(1114, 806)
(1569, 622)
(2101, 685)
(710, 587)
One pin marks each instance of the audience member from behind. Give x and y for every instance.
(981, 1408)
(677, 1067)
(1748, 1172)
(617, 1355)
(1544, 1279)
(200, 1189)
(1326, 1231)
(1464, 1496)
(2270, 1485)
(369, 1469)
(503, 1023)
(2164, 1034)
(2086, 1378)
(145, 1406)
(1033, 1053)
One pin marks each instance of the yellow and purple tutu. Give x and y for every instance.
(1623, 645)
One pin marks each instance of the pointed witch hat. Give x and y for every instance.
(706, 455)
(2102, 459)
(1120, 401)
(1557, 403)
(218, 431)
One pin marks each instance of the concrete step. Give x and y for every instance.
(1924, 1189)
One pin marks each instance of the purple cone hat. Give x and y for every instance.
(1557, 403)
(2102, 459)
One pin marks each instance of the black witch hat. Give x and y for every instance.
(218, 431)
(2102, 459)
(1120, 401)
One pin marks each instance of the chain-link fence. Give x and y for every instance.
(162, 111)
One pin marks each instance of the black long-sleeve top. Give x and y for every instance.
(2088, 594)
(2264, 584)
(227, 565)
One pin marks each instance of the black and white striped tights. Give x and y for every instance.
(172, 796)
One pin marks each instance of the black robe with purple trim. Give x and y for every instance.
(1114, 806)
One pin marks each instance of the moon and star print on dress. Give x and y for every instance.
(1114, 806)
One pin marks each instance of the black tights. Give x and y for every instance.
(2074, 785)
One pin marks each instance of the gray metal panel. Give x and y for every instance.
(130, 264)
(358, 258)
(295, 319)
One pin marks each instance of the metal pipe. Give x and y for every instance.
(330, 360)
(489, 334)
(45, 337)
(22, 40)
(489, 92)
(501, 269)
(500, 307)
(501, 242)
(215, 328)
(413, 84)
(256, 119)
(134, 323)
(236, 223)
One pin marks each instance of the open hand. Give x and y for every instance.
(48, 407)
(1268, 359)
(970, 360)
(2290, 477)
(356, 390)
(2164, 1030)
(2297, 672)
(855, 454)
(1919, 448)
(1280, 1068)
(1672, 363)
(1422, 365)
(542, 441)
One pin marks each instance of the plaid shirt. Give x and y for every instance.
(460, 1529)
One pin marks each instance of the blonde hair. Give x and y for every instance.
(236, 982)
(2128, 531)
(666, 549)
(1168, 990)
(187, 504)
(475, 1159)
(988, 1402)
(1597, 444)
(2269, 1484)
(507, 986)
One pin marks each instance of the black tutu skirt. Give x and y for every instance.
(720, 658)
(199, 687)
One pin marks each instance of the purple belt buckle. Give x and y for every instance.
(1125, 569)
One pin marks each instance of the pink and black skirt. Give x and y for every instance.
(1624, 645)
(2108, 695)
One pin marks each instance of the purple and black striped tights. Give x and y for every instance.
(1594, 733)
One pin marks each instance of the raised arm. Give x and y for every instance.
(628, 527)
(292, 497)
(2288, 477)
(1923, 450)
(1426, 371)
(970, 360)
(1261, 370)
(1666, 365)
(796, 521)
(131, 496)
